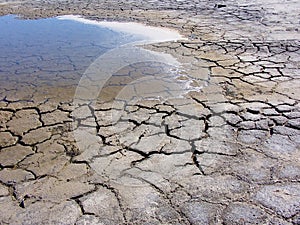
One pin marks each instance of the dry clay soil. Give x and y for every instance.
(225, 154)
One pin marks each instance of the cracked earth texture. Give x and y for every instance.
(227, 154)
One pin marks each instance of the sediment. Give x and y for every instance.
(226, 154)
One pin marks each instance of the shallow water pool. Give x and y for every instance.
(49, 52)
(54, 57)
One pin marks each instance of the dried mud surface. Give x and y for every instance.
(227, 154)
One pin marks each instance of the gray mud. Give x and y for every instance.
(227, 153)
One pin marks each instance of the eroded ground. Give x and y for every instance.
(227, 154)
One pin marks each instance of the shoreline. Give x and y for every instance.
(226, 154)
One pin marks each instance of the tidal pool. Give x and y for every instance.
(46, 57)
(49, 53)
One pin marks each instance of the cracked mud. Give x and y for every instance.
(225, 153)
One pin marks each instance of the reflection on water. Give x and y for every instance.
(47, 53)
(49, 58)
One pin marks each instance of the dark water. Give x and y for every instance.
(45, 53)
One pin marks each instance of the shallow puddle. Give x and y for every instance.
(39, 55)
(48, 58)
